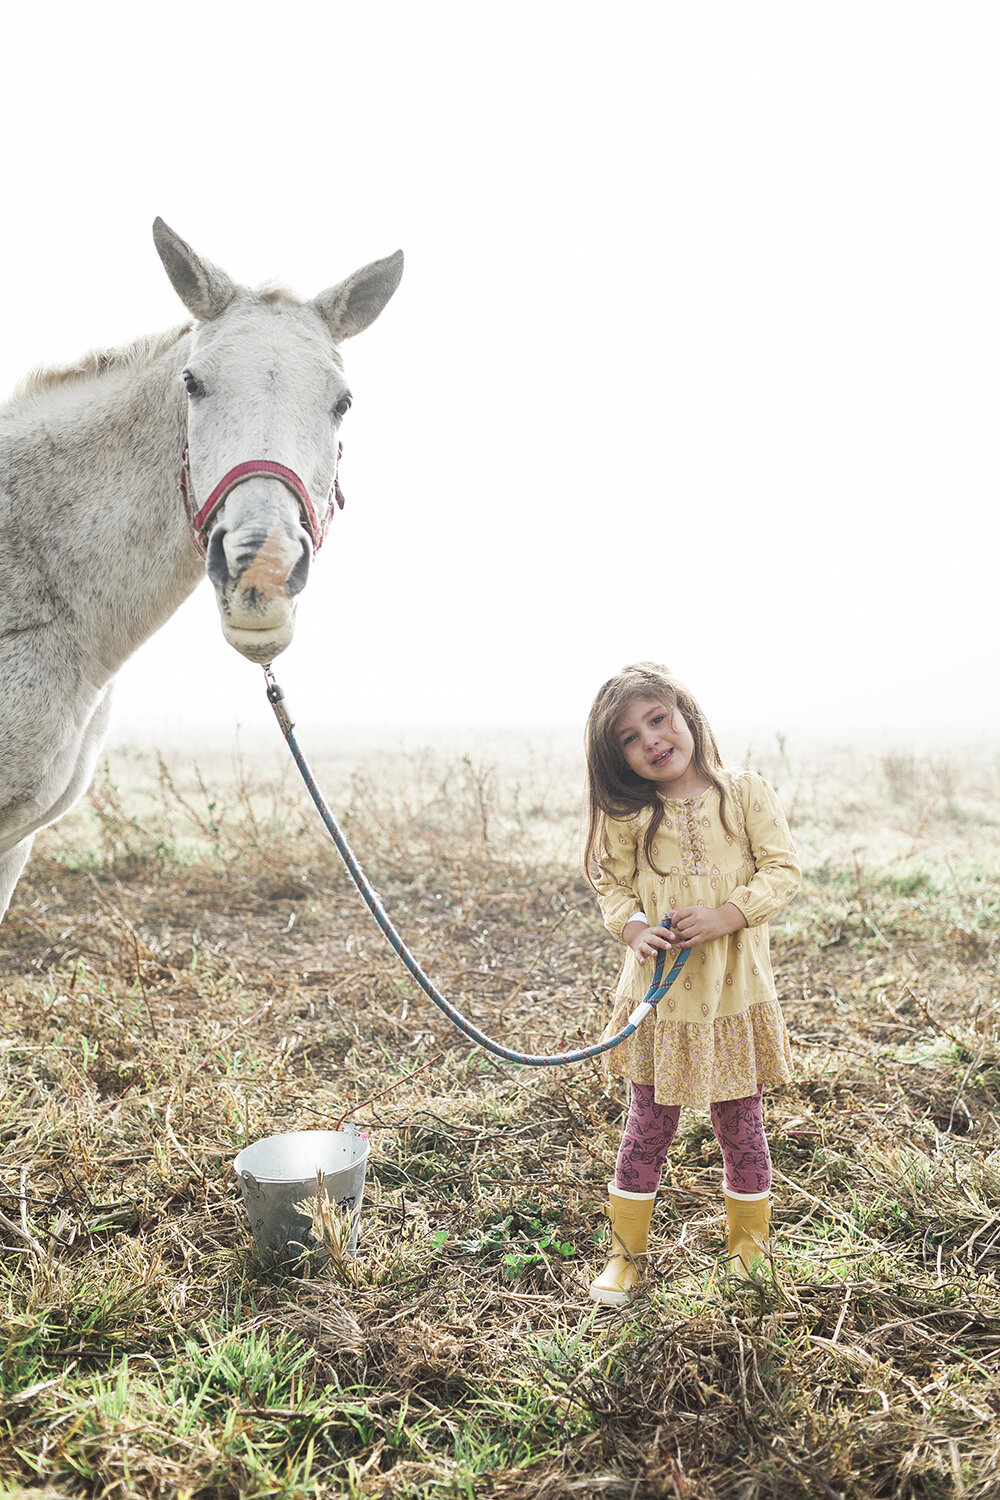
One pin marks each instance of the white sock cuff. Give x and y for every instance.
(638, 1197)
(745, 1197)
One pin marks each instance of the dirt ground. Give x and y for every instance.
(186, 969)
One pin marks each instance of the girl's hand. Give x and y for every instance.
(646, 942)
(703, 924)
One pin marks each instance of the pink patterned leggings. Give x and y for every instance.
(650, 1128)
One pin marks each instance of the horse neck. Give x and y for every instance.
(112, 531)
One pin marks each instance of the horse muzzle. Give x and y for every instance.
(257, 558)
(260, 646)
(256, 581)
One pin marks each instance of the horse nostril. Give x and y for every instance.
(299, 574)
(215, 559)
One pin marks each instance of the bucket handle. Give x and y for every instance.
(251, 1185)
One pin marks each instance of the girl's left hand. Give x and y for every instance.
(703, 924)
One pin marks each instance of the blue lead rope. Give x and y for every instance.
(654, 994)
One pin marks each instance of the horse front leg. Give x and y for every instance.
(11, 865)
(63, 782)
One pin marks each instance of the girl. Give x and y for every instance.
(672, 832)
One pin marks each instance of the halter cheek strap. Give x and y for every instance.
(200, 519)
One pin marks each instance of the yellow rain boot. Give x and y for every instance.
(629, 1215)
(749, 1242)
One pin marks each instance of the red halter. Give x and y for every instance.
(200, 521)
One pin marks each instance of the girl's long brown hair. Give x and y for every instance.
(614, 789)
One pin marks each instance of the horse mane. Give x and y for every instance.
(276, 294)
(134, 357)
(130, 358)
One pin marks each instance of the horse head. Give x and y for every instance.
(266, 397)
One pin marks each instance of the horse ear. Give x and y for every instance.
(203, 288)
(351, 305)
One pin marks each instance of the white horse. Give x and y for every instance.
(242, 414)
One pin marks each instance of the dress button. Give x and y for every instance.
(729, 978)
(671, 1004)
(755, 969)
(704, 1010)
(687, 984)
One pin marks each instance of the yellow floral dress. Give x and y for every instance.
(719, 1032)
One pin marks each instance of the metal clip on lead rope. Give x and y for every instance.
(276, 698)
(661, 983)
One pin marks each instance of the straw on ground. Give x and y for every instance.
(187, 970)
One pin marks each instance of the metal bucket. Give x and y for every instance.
(281, 1171)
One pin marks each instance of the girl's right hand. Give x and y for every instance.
(646, 942)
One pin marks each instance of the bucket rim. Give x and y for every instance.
(303, 1136)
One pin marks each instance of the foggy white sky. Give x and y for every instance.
(694, 358)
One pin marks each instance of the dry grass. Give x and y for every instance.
(187, 969)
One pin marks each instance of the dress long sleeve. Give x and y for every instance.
(778, 872)
(616, 877)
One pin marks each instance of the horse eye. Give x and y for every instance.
(342, 407)
(192, 384)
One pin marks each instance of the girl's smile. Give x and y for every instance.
(658, 746)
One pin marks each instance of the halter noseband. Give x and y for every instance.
(200, 521)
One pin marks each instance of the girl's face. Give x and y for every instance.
(658, 746)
